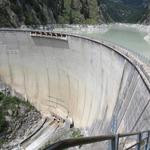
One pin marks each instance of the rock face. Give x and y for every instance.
(125, 11)
(79, 11)
(40, 12)
(36, 12)
(146, 17)
(16, 118)
(16, 13)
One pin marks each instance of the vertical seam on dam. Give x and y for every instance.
(128, 103)
(137, 121)
(91, 103)
(120, 87)
(77, 99)
(48, 79)
(124, 98)
(23, 69)
(69, 93)
(84, 99)
(104, 117)
(140, 115)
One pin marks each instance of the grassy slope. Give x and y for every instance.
(10, 114)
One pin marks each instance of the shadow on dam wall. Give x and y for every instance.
(50, 43)
(100, 88)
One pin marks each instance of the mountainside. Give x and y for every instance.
(32, 12)
(14, 13)
(146, 16)
(125, 11)
(18, 119)
(79, 11)
(17, 12)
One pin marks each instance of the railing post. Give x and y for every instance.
(139, 141)
(147, 141)
(115, 142)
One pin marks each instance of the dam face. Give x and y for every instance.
(101, 90)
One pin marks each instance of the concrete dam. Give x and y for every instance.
(100, 86)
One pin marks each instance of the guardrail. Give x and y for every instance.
(141, 57)
(141, 143)
(48, 35)
(138, 55)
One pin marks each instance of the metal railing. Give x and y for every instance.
(49, 35)
(141, 57)
(138, 55)
(141, 143)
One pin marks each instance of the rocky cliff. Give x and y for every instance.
(125, 11)
(146, 16)
(18, 12)
(17, 119)
(14, 13)
(35, 12)
(78, 11)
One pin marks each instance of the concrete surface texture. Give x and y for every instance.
(41, 138)
(101, 90)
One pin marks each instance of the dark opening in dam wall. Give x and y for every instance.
(100, 86)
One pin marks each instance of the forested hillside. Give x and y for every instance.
(14, 13)
(146, 16)
(125, 11)
(33, 12)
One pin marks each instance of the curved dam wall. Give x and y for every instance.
(101, 90)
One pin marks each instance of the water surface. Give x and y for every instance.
(134, 37)
(130, 38)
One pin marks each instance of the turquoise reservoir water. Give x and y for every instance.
(134, 37)
(130, 38)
